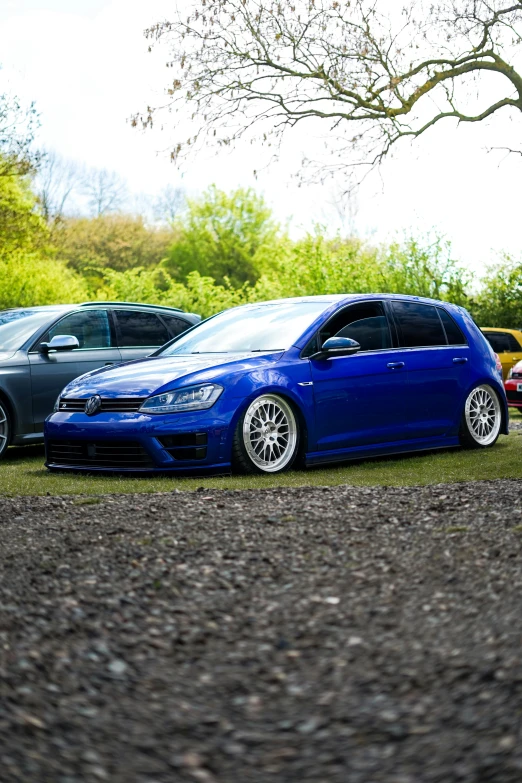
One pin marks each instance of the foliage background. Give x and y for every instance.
(221, 250)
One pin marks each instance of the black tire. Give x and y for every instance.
(272, 419)
(5, 428)
(481, 419)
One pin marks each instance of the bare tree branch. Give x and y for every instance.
(55, 183)
(106, 191)
(258, 68)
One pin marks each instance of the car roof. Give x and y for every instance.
(143, 305)
(64, 307)
(500, 329)
(37, 309)
(332, 298)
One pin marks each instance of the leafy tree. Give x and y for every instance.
(29, 275)
(20, 225)
(17, 128)
(499, 302)
(224, 236)
(373, 73)
(197, 294)
(423, 269)
(28, 279)
(116, 242)
(317, 265)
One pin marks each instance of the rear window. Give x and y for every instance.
(453, 332)
(141, 330)
(502, 342)
(419, 325)
(175, 325)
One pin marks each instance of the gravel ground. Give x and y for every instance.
(334, 635)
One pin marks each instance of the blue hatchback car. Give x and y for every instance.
(316, 379)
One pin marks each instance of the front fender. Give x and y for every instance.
(275, 380)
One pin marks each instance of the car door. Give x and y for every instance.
(50, 372)
(506, 346)
(359, 399)
(139, 333)
(437, 357)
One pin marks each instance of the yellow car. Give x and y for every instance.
(507, 343)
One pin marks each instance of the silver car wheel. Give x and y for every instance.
(4, 429)
(483, 415)
(270, 433)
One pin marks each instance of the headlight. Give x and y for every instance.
(510, 373)
(191, 398)
(57, 404)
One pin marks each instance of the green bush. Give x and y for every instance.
(499, 302)
(229, 237)
(28, 279)
(29, 275)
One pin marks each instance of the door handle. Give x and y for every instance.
(395, 365)
(460, 360)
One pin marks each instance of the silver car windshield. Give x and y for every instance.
(263, 327)
(17, 326)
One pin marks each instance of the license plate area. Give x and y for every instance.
(519, 387)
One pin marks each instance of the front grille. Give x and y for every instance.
(514, 396)
(186, 445)
(108, 404)
(99, 454)
(516, 375)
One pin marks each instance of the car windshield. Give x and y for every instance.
(264, 327)
(17, 326)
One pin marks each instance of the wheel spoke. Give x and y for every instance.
(483, 415)
(270, 433)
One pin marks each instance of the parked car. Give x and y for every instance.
(320, 379)
(43, 348)
(513, 386)
(507, 343)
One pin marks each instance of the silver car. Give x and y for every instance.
(44, 348)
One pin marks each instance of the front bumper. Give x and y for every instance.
(136, 442)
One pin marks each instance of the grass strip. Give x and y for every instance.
(22, 473)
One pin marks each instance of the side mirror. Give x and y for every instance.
(337, 346)
(60, 342)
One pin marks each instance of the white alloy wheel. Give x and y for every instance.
(483, 415)
(270, 433)
(4, 429)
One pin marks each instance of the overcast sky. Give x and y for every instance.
(85, 64)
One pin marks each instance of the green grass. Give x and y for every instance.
(22, 473)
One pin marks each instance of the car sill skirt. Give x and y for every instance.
(386, 450)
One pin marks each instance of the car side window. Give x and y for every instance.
(453, 332)
(90, 327)
(513, 343)
(419, 325)
(141, 330)
(499, 341)
(175, 325)
(365, 322)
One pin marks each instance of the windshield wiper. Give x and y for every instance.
(265, 350)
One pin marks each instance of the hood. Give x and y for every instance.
(144, 377)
